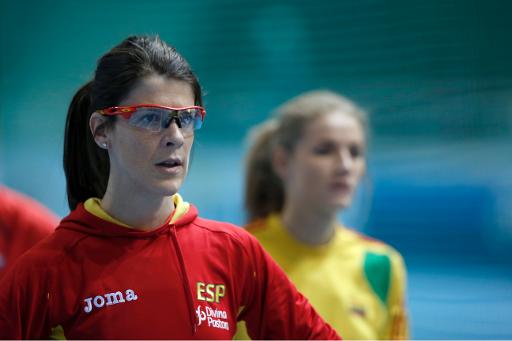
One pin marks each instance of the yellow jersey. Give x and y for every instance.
(356, 283)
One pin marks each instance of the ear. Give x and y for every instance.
(99, 130)
(280, 161)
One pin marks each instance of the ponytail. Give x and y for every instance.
(86, 166)
(264, 191)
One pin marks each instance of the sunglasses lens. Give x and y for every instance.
(190, 119)
(147, 118)
(154, 119)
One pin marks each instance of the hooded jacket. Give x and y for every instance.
(191, 279)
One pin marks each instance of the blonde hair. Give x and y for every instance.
(264, 191)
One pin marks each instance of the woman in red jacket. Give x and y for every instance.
(132, 259)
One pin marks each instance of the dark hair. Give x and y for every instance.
(87, 166)
(264, 190)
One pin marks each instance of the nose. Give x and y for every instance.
(172, 136)
(345, 160)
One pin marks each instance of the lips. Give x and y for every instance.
(341, 186)
(168, 163)
(170, 166)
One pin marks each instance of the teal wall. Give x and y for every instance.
(434, 69)
(435, 76)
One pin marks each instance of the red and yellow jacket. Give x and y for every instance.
(189, 279)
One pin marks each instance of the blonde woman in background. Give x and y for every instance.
(303, 167)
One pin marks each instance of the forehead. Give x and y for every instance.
(337, 126)
(160, 90)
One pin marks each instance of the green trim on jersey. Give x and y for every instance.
(377, 269)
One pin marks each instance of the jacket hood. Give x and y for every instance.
(80, 220)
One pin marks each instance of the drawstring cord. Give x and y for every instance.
(186, 282)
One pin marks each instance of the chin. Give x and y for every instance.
(341, 203)
(168, 188)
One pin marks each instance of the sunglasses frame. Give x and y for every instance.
(127, 111)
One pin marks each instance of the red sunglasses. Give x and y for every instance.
(157, 117)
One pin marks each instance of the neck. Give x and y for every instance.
(309, 226)
(144, 212)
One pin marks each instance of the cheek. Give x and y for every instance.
(316, 169)
(187, 147)
(133, 150)
(359, 169)
(305, 175)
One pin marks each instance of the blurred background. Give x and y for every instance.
(435, 76)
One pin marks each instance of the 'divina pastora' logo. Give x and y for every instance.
(214, 317)
(212, 293)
